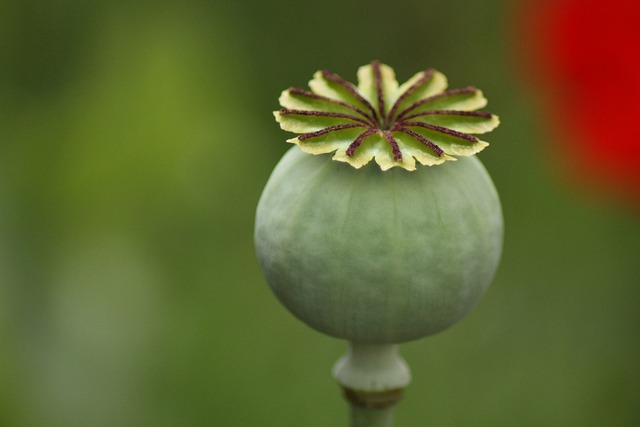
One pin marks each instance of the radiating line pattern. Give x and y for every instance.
(379, 119)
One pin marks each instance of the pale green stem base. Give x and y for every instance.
(372, 368)
(371, 417)
(372, 377)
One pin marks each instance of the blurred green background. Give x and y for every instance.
(135, 139)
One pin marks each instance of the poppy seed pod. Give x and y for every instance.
(378, 257)
(384, 254)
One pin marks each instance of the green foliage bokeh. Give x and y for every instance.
(135, 139)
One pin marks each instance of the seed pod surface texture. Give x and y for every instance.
(378, 256)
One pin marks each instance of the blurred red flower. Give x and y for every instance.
(583, 56)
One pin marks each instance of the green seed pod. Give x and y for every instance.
(378, 257)
(380, 254)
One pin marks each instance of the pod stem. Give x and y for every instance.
(371, 417)
(373, 378)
